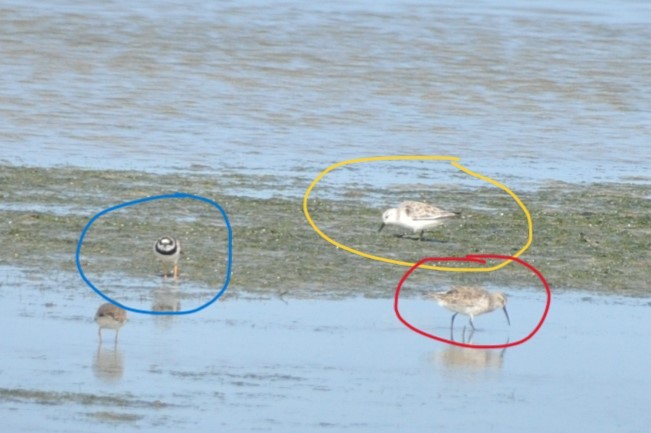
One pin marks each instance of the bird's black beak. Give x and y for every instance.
(507, 315)
(381, 227)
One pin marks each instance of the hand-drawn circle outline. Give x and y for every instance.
(143, 200)
(453, 160)
(478, 258)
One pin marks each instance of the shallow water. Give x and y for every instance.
(309, 365)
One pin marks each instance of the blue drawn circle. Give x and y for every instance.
(143, 200)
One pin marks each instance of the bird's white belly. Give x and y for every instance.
(418, 225)
(468, 310)
(108, 322)
(169, 259)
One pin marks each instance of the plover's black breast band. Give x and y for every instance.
(166, 252)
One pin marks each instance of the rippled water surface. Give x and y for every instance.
(553, 91)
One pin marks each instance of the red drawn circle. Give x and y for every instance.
(477, 258)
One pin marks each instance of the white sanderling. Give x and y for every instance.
(416, 216)
(110, 316)
(168, 250)
(471, 301)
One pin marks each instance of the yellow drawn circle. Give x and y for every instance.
(454, 161)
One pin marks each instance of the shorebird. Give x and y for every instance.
(416, 216)
(471, 301)
(168, 250)
(110, 316)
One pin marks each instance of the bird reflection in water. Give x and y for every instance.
(456, 357)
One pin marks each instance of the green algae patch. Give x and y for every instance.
(107, 416)
(85, 399)
(589, 236)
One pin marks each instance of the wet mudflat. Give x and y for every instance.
(593, 236)
(305, 337)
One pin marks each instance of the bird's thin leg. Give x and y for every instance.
(452, 322)
(420, 237)
(507, 315)
(176, 271)
(117, 331)
(99, 332)
(472, 332)
(164, 270)
(472, 324)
